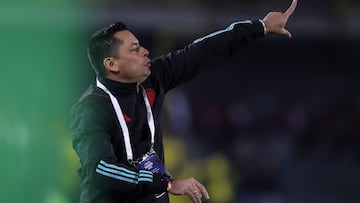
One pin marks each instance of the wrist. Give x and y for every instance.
(169, 185)
(262, 22)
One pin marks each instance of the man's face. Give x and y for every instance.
(131, 59)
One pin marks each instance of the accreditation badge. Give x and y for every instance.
(151, 162)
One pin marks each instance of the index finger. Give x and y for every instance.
(291, 9)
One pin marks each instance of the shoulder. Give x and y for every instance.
(93, 101)
(92, 95)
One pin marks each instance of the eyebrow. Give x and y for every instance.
(135, 44)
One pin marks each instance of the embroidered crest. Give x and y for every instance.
(127, 118)
(151, 95)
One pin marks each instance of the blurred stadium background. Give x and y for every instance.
(278, 123)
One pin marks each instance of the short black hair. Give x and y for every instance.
(102, 44)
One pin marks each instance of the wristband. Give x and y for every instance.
(262, 22)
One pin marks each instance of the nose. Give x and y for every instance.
(145, 52)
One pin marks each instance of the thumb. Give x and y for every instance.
(286, 32)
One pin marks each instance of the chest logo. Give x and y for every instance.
(127, 118)
(151, 95)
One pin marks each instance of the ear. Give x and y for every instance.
(110, 64)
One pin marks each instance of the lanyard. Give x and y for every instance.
(122, 122)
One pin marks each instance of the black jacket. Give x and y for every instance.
(106, 175)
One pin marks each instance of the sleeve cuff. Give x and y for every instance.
(160, 183)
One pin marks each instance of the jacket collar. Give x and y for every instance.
(118, 88)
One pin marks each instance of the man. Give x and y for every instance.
(116, 126)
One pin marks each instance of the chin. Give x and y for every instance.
(145, 76)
